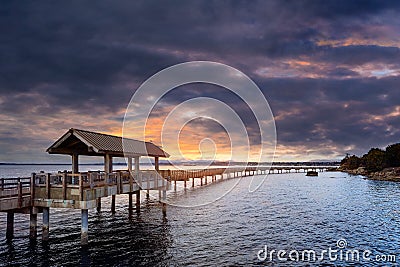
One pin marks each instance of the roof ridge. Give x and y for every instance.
(80, 130)
(102, 143)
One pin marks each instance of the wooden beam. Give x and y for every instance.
(75, 163)
(130, 164)
(137, 165)
(156, 164)
(108, 163)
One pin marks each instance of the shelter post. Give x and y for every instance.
(75, 163)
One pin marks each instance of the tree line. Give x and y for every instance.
(375, 160)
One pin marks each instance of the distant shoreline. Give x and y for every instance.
(388, 174)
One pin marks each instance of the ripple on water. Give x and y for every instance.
(290, 211)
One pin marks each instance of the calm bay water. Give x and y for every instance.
(289, 212)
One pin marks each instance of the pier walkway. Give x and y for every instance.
(85, 190)
(42, 191)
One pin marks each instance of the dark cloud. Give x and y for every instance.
(88, 57)
(360, 54)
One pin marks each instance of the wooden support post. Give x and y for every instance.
(98, 204)
(130, 204)
(33, 177)
(137, 164)
(139, 178)
(147, 194)
(85, 227)
(48, 186)
(108, 168)
(138, 201)
(162, 182)
(192, 181)
(81, 187)
(119, 183)
(164, 205)
(19, 193)
(156, 164)
(46, 222)
(201, 181)
(184, 183)
(130, 164)
(75, 163)
(33, 223)
(175, 185)
(113, 204)
(10, 225)
(64, 185)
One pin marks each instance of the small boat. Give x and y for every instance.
(312, 173)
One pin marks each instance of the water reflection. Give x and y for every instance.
(290, 211)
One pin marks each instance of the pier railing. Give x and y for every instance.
(66, 185)
(15, 192)
(87, 186)
(15, 187)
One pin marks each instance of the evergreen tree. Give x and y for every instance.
(374, 160)
(393, 155)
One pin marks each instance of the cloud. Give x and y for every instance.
(330, 70)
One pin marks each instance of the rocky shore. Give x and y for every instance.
(387, 174)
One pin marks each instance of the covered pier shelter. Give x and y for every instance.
(84, 190)
(80, 142)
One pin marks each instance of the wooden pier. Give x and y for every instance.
(85, 190)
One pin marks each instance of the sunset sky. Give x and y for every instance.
(329, 70)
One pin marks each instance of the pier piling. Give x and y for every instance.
(46, 222)
(138, 201)
(10, 225)
(33, 223)
(98, 204)
(164, 205)
(85, 227)
(130, 205)
(113, 204)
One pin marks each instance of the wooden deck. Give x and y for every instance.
(67, 190)
(42, 191)
(82, 190)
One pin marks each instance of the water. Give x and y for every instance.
(289, 212)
